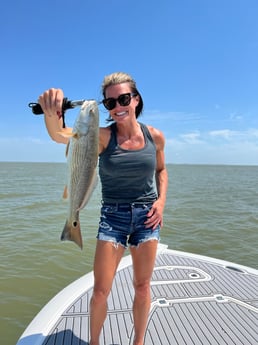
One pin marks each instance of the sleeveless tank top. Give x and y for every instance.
(127, 176)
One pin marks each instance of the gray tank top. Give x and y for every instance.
(128, 175)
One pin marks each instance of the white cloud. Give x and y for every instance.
(227, 134)
(252, 133)
(223, 146)
(31, 150)
(191, 138)
(151, 116)
(223, 133)
(236, 117)
(233, 147)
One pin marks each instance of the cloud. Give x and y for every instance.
(31, 149)
(214, 147)
(228, 134)
(191, 138)
(252, 133)
(222, 146)
(173, 116)
(236, 117)
(223, 133)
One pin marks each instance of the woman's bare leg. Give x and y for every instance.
(143, 263)
(107, 258)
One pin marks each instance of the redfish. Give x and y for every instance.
(82, 159)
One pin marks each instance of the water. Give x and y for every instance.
(211, 210)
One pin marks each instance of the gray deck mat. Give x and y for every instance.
(193, 302)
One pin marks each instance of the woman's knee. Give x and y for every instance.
(142, 289)
(100, 295)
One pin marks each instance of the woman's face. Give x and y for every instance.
(120, 112)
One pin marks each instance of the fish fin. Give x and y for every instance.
(65, 193)
(68, 135)
(67, 149)
(72, 232)
(89, 191)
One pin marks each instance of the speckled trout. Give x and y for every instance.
(82, 158)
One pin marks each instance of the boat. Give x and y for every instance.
(195, 300)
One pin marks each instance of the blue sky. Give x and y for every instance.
(195, 63)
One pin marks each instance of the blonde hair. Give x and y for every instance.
(119, 78)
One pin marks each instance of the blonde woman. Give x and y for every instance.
(134, 184)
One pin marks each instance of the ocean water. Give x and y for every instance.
(210, 210)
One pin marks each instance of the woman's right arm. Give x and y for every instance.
(51, 103)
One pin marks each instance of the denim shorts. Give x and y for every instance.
(124, 224)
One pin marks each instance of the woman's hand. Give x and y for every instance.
(51, 102)
(155, 215)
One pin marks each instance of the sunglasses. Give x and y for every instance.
(123, 100)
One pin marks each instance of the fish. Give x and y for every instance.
(82, 159)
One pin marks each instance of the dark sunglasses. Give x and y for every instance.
(123, 100)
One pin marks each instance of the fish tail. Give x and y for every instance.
(72, 232)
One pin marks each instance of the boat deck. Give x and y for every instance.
(195, 300)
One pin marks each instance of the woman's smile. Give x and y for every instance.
(121, 113)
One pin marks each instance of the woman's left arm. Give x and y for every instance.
(155, 216)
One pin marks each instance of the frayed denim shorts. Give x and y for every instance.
(124, 224)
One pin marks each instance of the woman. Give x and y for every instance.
(130, 154)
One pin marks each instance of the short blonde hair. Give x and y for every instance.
(119, 78)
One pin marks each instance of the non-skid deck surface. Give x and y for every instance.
(193, 302)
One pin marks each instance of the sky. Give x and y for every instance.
(195, 63)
